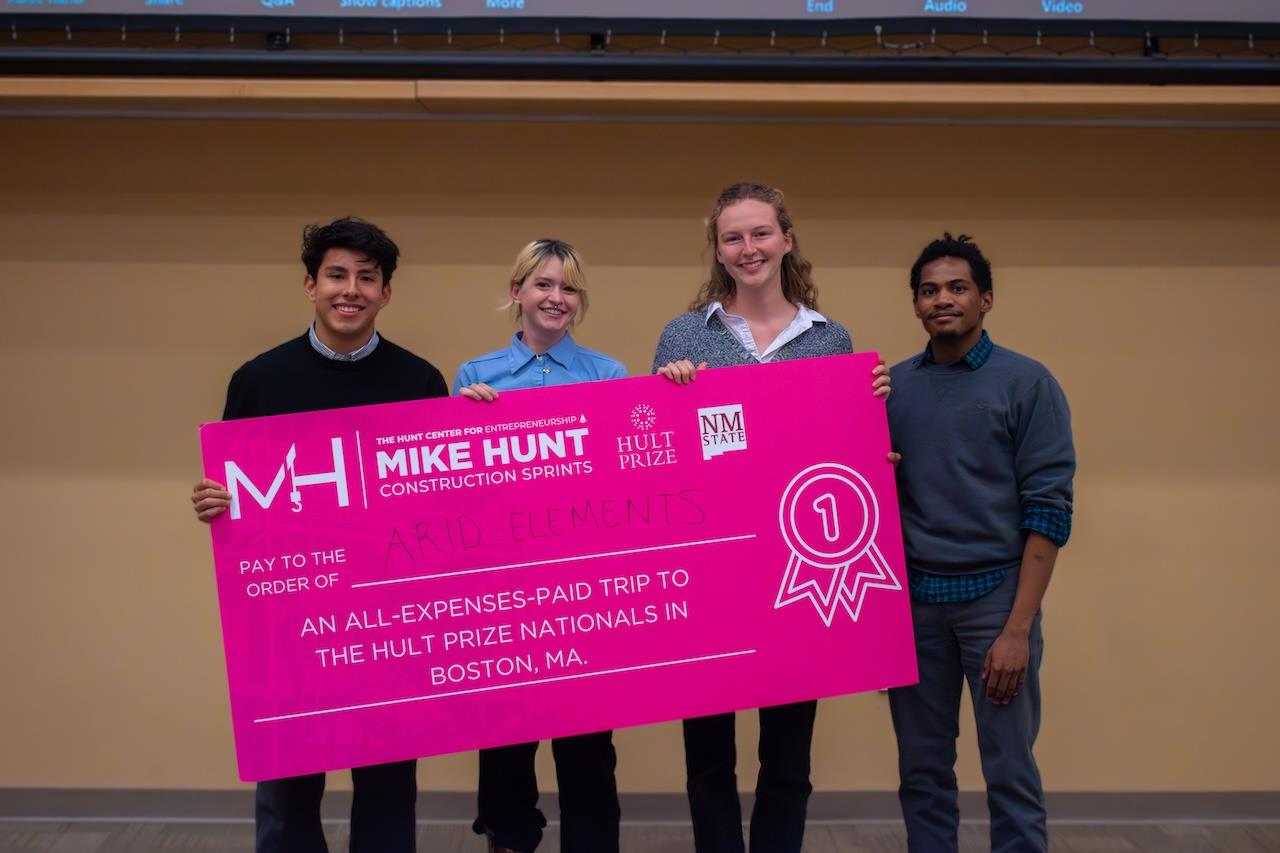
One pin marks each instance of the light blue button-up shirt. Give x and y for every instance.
(518, 367)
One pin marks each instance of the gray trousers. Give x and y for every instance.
(952, 641)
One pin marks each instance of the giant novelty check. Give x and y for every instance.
(428, 577)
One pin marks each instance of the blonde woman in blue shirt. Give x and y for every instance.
(548, 294)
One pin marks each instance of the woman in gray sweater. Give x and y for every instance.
(758, 305)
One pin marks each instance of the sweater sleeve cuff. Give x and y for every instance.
(1048, 521)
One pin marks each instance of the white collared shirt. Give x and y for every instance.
(320, 347)
(741, 330)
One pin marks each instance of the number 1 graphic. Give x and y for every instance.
(825, 505)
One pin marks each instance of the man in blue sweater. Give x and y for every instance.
(985, 487)
(340, 360)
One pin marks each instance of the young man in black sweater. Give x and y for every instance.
(340, 361)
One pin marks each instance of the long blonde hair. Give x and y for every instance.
(537, 253)
(797, 272)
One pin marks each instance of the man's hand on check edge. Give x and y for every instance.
(880, 380)
(209, 499)
(880, 388)
(479, 391)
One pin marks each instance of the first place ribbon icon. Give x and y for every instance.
(829, 519)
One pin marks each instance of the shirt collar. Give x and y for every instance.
(974, 358)
(320, 347)
(519, 354)
(803, 313)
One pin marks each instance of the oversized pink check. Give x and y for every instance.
(421, 578)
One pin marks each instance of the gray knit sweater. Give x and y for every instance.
(698, 338)
(986, 454)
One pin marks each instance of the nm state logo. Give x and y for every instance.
(237, 480)
(723, 430)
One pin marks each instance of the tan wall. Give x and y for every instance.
(144, 260)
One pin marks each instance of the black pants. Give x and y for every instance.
(782, 790)
(382, 811)
(589, 813)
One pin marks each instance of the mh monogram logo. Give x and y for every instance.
(236, 477)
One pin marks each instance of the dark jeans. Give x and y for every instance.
(952, 641)
(589, 813)
(382, 811)
(782, 790)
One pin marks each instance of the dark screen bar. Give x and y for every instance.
(1225, 11)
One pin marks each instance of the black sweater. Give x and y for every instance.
(293, 377)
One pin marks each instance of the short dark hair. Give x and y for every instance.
(351, 233)
(962, 248)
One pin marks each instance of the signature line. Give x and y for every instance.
(549, 680)
(555, 560)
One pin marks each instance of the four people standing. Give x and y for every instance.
(985, 484)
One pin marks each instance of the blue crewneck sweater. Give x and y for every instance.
(987, 454)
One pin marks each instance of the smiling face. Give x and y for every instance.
(949, 304)
(750, 244)
(348, 293)
(548, 303)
